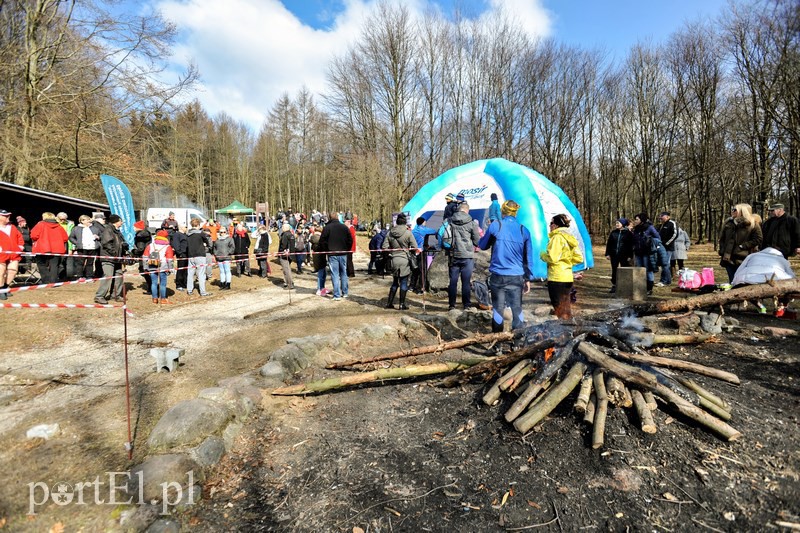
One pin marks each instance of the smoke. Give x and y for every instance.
(164, 196)
(631, 322)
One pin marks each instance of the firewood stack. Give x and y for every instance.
(607, 371)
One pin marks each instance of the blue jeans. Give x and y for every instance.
(663, 258)
(225, 271)
(397, 281)
(338, 264)
(460, 268)
(641, 261)
(321, 275)
(299, 259)
(158, 284)
(506, 292)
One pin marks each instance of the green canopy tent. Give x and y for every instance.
(235, 208)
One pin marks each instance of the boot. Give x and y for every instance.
(390, 301)
(227, 285)
(403, 305)
(650, 287)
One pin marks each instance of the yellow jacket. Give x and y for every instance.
(561, 255)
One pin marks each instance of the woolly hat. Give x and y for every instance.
(21, 220)
(162, 233)
(624, 221)
(509, 207)
(139, 225)
(460, 197)
(449, 197)
(401, 220)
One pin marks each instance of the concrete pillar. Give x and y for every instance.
(166, 359)
(632, 283)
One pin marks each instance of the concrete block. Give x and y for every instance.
(167, 359)
(632, 283)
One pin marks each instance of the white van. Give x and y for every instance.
(156, 216)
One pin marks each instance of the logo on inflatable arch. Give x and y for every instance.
(475, 192)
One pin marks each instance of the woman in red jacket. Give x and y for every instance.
(11, 244)
(48, 238)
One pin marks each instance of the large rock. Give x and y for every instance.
(243, 384)
(711, 323)
(378, 331)
(187, 423)
(291, 357)
(237, 404)
(439, 273)
(209, 452)
(164, 525)
(273, 371)
(163, 474)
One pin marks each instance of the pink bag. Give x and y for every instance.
(707, 276)
(689, 279)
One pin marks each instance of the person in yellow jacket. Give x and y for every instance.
(561, 255)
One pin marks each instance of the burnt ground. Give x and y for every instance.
(394, 457)
(416, 457)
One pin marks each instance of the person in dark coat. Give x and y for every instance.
(241, 243)
(781, 231)
(337, 240)
(286, 246)
(22, 226)
(112, 248)
(319, 261)
(646, 241)
(86, 242)
(465, 238)
(739, 237)
(261, 250)
(619, 249)
(180, 248)
(142, 240)
(402, 245)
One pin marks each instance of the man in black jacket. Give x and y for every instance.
(668, 232)
(197, 245)
(112, 248)
(781, 231)
(337, 240)
(178, 242)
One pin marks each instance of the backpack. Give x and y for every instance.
(300, 243)
(154, 259)
(445, 235)
(480, 291)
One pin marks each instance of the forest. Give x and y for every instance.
(704, 120)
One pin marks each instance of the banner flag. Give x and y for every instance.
(121, 203)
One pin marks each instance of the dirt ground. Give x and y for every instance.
(393, 457)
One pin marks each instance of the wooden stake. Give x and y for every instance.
(647, 380)
(525, 399)
(628, 401)
(493, 394)
(677, 364)
(649, 339)
(551, 399)
(599, 425)
(645, 415)
(650, 400)
(516, 380)
(615, 390)
(584, 394)
(588, 416)
(369, 377)
(714, 409)
(703, 393)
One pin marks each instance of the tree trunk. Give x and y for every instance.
(677, 364)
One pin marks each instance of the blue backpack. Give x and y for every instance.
(445, 235)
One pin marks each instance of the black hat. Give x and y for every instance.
(401, 220)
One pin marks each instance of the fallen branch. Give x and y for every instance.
(551, 399)
(434, 348)
(677, 364)
(648, 425)
(381, 374)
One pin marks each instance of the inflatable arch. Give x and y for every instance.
(538, 197)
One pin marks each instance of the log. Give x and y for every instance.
(382, 374)
(515, 381)
(650, 400)
(551, 399)
(600, 408)
(588, 416)
(677, 364)
(649, 339)
(527, 396)
(645, 415)
(584, 394)
(615, 390)
(493, 394)
(648, 381)
(502, 361)
(628, 402)
(714, 409)
(703, 393)
(433, 348)
(713, 299)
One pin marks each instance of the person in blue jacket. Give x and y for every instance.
(510, 266)
(494, 209)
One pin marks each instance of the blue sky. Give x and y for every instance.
(250, 52)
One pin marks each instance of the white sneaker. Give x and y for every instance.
(659, 284)
(318, 293)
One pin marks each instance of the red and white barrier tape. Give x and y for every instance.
(60, 306)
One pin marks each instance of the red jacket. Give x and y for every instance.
(12, 242)
(353, 235)
(49, 237)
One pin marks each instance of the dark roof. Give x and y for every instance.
(31, 203)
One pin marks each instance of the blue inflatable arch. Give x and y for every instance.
(539, 199)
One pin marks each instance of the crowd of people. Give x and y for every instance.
(325, 243)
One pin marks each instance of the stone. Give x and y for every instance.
(771, 331)
(162, 474)
(164, 525)
(230, 434)
(686, 323)
(140, 517)
(291, 357)
(187, 423)
(378, 331)
(711, 323)
(274, 370)
(209, 452)
(43, 431)
(245, 385)
(310, 346)
(191, 495)
(730, 321)
(411, 323)
(632, 283)
(236, 403)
